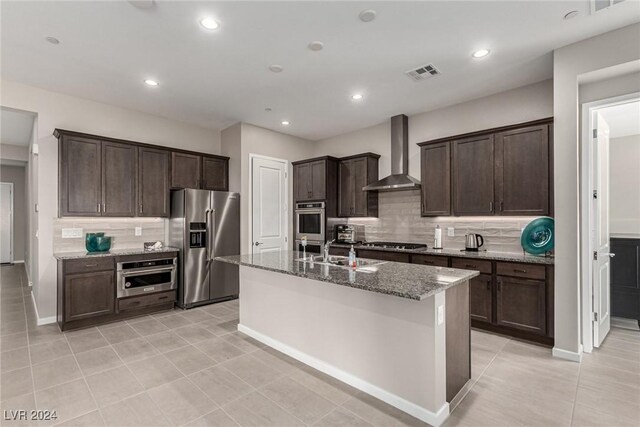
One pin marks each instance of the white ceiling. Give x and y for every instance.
(214, 79)
(16, 127)
(623, 119)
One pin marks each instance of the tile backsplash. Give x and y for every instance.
(399, 220)
(122, 231)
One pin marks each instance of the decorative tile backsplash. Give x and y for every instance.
(399, 220)
(122, 231)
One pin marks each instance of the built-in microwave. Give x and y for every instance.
(310, 221)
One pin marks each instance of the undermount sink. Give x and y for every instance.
(339, 261)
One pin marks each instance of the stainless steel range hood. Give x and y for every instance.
(399, 178)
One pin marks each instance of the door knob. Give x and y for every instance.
(609, 254)
(257, 243)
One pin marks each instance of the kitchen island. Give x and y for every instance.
(399, 332)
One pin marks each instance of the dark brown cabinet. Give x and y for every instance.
(310, 180)
(473, 181)
(186, 170)
(625, 278)
(480, 298)
(383, 255)
(153, 182)
(89, 295)
(521, 304)
(80, 177)
(522, 171)
(354, 173)
(215, 173)
(119, 165)
(435, 176)
(501, 171)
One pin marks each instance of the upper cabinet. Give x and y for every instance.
(101, 176)
(310, 179)
(503, 171)
(354, 173)
(199, 171)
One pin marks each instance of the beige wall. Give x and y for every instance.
(67, 112)
(14, 153)
(505, 108)
(570, 62)
(624, 185)
(230, 146)
(257, 140)
(18, 176)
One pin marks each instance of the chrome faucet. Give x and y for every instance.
(325, 253)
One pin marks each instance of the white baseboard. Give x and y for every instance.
(567, 355)
(41, 320)
(20, 261)
(433, 418)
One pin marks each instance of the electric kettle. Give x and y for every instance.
(473, 242)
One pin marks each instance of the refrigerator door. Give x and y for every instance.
(225, 240)
(196, 259)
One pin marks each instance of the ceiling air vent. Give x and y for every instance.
(423, 72)
(598, 5)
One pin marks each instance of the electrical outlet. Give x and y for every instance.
(451, 232)
(440, 314)
(138, 231)
(71, 233)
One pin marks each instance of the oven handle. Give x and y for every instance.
(139, 271)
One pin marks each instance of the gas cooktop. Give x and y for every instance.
(394, 245)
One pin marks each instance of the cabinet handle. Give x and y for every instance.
(499, 285)
(490, 206)
(518, 270)
(91, 265)
(98, 207)
(141, 208)
(104, 208)
(470, 265)
(501, 205)
(164, 297)
(489, 284)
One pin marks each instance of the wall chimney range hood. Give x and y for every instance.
(399, 178)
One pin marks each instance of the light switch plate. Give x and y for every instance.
(71, 233)
(440, 314)
(451, 232)
(138, 231)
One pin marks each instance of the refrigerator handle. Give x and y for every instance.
(211, 228)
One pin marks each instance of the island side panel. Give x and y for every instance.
(458, 339)
(387, 346)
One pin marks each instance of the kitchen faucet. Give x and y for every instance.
(325, 253)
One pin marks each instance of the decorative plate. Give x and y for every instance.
(537, 237)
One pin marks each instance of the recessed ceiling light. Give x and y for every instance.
(267, 109)
(209, 23)
(356, 96)
(285, 123)
(367, 15)
(481, 53)
(150, 82)
(52, 40)
(572, 14)
(276, 68)
(316, 46)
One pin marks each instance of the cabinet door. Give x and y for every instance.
(435, 167)
(80, 177)
(318, 180)
(473, 181)
(625, 278)
(89, 295)
(119, 163)
(185, 170)
(360, 198)
(383, 256)
(214, 174)
(345, 188)
(153, 182)
(522, 171)
(302, 182)
(480, 298)
(521, 304)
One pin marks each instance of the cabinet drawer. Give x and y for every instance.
(146, 300)
(338, 251)
(88, 265)
(483, 266)
(381, 255)
(437, 261)
(518, 269)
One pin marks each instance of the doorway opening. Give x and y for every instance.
(610, 226)
(6, 223)
(268, 204)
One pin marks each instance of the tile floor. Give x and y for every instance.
(193, 368)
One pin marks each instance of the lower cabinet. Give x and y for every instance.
(89, 295)
(383, 256)
(521, 304)
(625, 278)
(480, 298)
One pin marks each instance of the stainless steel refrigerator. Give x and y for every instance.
(203, 225)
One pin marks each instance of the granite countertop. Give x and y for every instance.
(490, 255)
(411, 281)
(112, 252)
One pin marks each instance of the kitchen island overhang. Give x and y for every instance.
(399, 332)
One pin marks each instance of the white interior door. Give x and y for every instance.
(600, 233)
(269, 205)
(6, 222)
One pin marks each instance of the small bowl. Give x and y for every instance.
(90, 241)
(103, 243)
